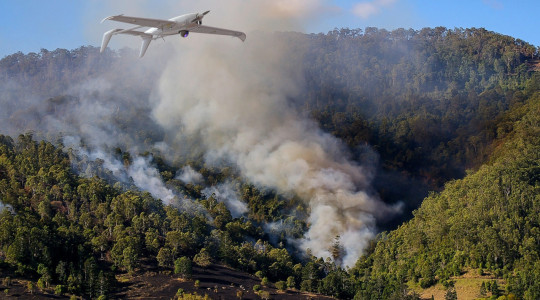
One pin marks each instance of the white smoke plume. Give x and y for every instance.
(147, 178)
(226, 193)
(234, 97)
(139, 172)
(6, 207)
(188, 175)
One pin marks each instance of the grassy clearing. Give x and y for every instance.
(467, 287)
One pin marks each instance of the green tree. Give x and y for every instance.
(203, 258)
(59, 290)
(451, 293)
(483, 289)
(30, 287)
(291, 283)
(130, 259)
(281, 285)
(164, 257)
(183, 267)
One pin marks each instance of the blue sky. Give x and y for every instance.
(29, 25)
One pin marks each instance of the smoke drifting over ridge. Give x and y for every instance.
(234, 96)
(231, 96)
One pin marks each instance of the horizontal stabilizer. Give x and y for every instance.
(147, 38)
(107, 37)
(145, 43)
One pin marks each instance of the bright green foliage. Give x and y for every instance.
(183, 267)
(291, 282)
(281, 285)
(30, 287)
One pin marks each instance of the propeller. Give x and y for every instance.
(199, 17)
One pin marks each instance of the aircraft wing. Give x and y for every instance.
(145, 22)
(220, 31)
(134, 32)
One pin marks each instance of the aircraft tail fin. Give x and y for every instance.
(145, 43)
(107, 37)
(147, 38)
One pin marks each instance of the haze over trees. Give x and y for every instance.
(454, 111)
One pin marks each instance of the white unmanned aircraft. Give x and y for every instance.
(182, 25)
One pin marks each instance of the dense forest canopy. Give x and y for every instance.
(416, 108)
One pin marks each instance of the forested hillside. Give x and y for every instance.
(451, 111)
(488, 221)
(76, 233)
(426, 100)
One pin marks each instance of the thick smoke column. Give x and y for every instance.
(233, 96)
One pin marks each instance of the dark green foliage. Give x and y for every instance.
(487, 220)
(425, 100)
(451, 293)
(431, 103)
(75, 232)
(483, 289)
(203, 258)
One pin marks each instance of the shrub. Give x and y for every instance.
(281, 285)
(291, 282)
(59, 289)
(183, 267)
(30, 287)
(41, 284)
(203, 258)
(6, 281)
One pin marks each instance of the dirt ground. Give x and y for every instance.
(18, 290)
(216, 281)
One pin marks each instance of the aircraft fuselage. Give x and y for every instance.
(181, 23)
